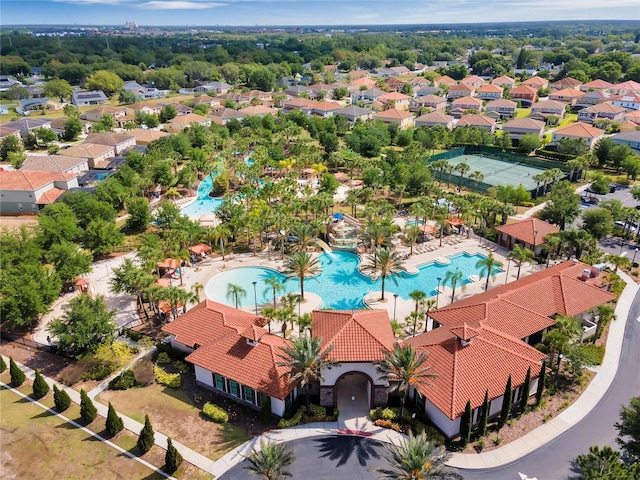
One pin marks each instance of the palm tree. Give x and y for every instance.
(302, 265)
(414, 319)
(478, 176)
(618, 261)
(270, 461)
(305, 361)
(429, 305)
(453, 277)
(521, 255)
(488, 266)
(269, 313)
(235, 292)
(416, 458)
(462, 168)
(305, 232)
(385, 263)
(221, 234)
(412, 234)
(402, 367)
(606, 313)
(197, 289)
(417, 296)
(275, 285)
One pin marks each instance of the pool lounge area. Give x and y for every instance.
(340, 284)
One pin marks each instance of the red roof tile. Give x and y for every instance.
(529, 230)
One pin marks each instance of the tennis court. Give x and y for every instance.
(498, 172)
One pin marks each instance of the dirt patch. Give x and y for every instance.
(14, 223)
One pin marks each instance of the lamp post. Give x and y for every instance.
(438, 291)
(395, 300)
(535, 235)
(255, 296)
(635, 252)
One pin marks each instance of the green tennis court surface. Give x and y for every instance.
(498, 172)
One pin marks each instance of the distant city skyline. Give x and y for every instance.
(307, 12)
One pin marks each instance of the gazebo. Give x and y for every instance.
(82, 284)
(455, 222)
(529, 233)
(201, 249)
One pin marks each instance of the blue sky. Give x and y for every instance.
(308, 12)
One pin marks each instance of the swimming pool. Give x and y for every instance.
(340, 284)
(204, 204)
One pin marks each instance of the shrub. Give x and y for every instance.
(291, 422)
(88, 410)
(123, 381)
(133, 335)
(114, 422)
(146, 438)
(180, 366)
(40, 386)
(172, 352)
(3, 365)
(163, 358)
(171, 380)
(17, 376)
(172, 459)
(388, 424)
(385, 413)
(107, 359)
(61, 399)
(215, 413)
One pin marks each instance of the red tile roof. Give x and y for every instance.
(445, 80)
(579, 130)
(526, 229)
(490, 88)
(475, 120)
(50, 195)
(566, 92)
(524, 90)
(30, 180)
(535, 82)
(393, 114)
(356, 336)
(596, 85)
(393, 96)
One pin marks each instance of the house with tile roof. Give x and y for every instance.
(589, 134)
(324, 108)
(7, 131)
(625, 88)
(353, 113)
(363, 81)
(179, 123)
(504, 82)
(477, 121)
(489, 92)
(401, 118)
(27, 191)
(144, 136)
(433, 102)
(258, 111)
(566, 82)
(526, 94)
(529, 233)
(367, 96)
(460, 90)
(460, 105)
(120, 142)
(214, 87)
(501, 108)
(396, 100)
(536, 82)
(631, 138)
(630, 101)
(518, 127)
(473, 81)
(594, 97)
(435, 118)
(549, 107)
(95, 114)
(94, 153)
(602, 111)
(570, 96)
(598, 85)
(27, 125)
(55, 164)
(222, 116)
(444, 81)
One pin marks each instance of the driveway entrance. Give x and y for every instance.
(354, 395)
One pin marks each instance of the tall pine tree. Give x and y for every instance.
(3, 366)
(114, 422)
(484, 415)
(146, 438)
(172, 459)
(524, 400)
(40, 386)
(506, 403)
(17, 376)
(61, 399)
(88, 410)
(541, 379)
(466, 424)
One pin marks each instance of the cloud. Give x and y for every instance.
(179, 5)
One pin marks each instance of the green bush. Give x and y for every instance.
(3, 366)
(147, 436)
(17, 376)
(172, 459)
(291, 422)
(40, 386)
(133, 335)
(172, 352)
(318, 414)
(167, 379)
(163, 358)
(265, 409)
(123, 381)
(180, 366)
(88, 410)
(114, 423)
(215, 413)
(61, 399)
(387, 413)
(595, 352)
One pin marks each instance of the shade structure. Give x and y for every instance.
(339, 216)
(426, 228)
(207, 220)
(163, 282)
(169, 263)
(199, 249)
(456, 222)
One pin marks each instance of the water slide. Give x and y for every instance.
(323, 245)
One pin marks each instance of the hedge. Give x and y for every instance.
(123, 381)
(215, 413)
(165, 378)
(318, 414)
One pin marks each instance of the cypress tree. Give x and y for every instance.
(541, 378)
(114, 422)
(484, 416)
(525, 391)
(466, 423)
(40, 386)
(3, 366)
(506, 403)
(172, 459)
(61, 399)
(17, 376)
(88, 410)
(146, 438)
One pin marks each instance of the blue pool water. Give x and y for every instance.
(414, 223)
(204, 204)
(340, 284)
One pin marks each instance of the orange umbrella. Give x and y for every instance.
(456, 222)
(426, 228)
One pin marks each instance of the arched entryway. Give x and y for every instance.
(353, 395)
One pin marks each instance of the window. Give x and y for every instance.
(420, 400)
(249, 394)
(220, 383)
(288, 401)
(233, 388)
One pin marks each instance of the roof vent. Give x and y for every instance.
(574, 260)
(586, 274)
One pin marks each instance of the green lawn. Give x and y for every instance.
(568, 120)
(523, 112)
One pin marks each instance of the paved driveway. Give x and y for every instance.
(336, 457)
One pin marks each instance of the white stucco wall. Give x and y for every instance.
(331, 376)
(449, 427)
(204, 376)
(179, 346)
(277, 406)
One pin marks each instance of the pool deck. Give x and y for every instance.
(431, 251)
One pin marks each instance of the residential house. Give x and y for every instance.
(400, 70)
(4, 110)
(6, 131)
(589, 134)
(118, 113)
(396, 100)
(425, 90)
(518, 127)
(568, 95)
(367, 96)
(529, 233)
(144, 136)
(8, 81)
(258, 111)
(144, 107)
(299, 103)
(55, 164)
(594, 97)
(324, 109)
(473, 81)
(566, 82)
(83, 99)
(428, 101)
(120, 142)
(630, 101)
(478, 121)
(525, 94)
(631, 138)
(206, 100)
(394, 84)
(460, 105)
(444, 81)
(625, 88)
(27, 125)
(602, 111)
(597, 85)
(353, 113)
(26, 191)
(183, 109)
(633, 117)
(35, 91)
(144, 91)
(321, 91)
(299, 91)
(222, 116)
(28, 105)
(363, 82)
(97, 155)
(401, 118)
(57, 125)
(547, 108)
(460, 90)
(501, 108)
(214, 87)
(536, 82)
(435, 118)
(177, 124)
(489, 92)
(504, 82)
